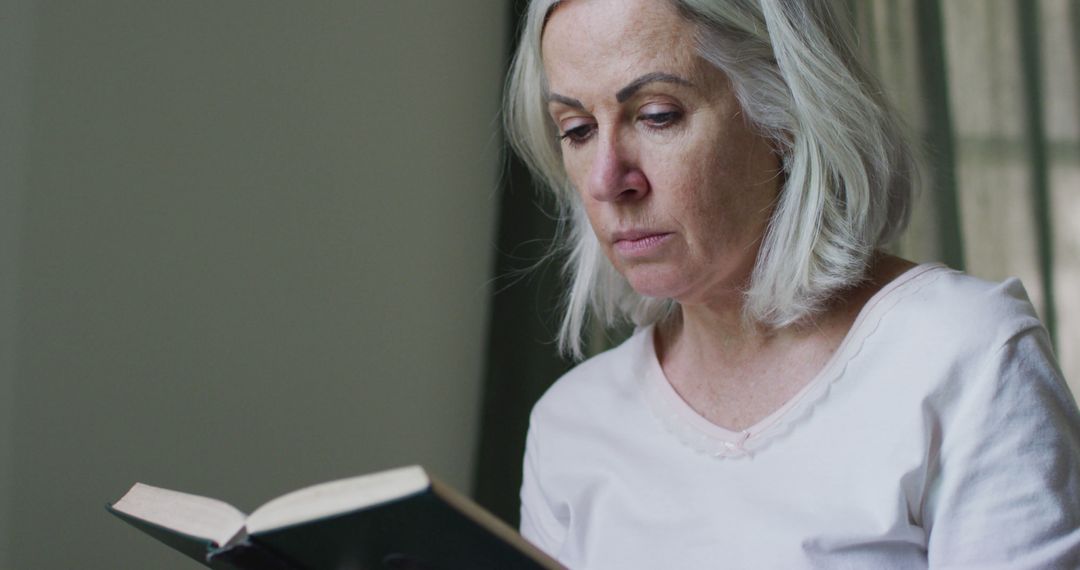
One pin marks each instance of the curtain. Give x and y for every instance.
(991, 92)
(992, 89)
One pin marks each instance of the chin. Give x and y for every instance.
(657, 284)
(684, 285)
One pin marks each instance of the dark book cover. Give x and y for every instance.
(419, 532)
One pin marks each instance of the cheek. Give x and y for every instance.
(576, 165)
(691, 181)
(576, 161)
(710, 195)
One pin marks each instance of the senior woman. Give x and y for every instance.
(792, 397)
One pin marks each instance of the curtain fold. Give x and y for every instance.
(522, 358)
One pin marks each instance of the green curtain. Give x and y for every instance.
(522, 359)
(991, 90)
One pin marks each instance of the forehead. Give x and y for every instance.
(596, 42)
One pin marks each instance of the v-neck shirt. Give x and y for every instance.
(940, 432)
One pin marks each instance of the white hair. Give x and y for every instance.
(849, 172)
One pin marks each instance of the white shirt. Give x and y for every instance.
(940, 434)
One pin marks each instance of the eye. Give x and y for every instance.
(576, 134)
(657, 117)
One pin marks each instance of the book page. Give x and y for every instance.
(193, 515)
(337, 497)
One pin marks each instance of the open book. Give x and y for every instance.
(398, 519)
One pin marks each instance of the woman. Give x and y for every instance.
(793, 397)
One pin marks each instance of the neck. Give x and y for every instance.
(707, 337)
(715, 336)
(735, 374)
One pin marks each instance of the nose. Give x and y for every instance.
(615, 174)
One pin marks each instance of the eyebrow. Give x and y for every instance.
(657, 76)
(626, 92)
(568, 101)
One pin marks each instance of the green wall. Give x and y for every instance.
(245, 247)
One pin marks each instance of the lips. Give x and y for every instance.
(638, 242)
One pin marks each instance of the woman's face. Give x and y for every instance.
(677, 186)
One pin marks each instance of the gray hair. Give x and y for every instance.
(849, 172)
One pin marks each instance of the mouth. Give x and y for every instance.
(638, 242)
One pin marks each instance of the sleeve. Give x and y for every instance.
(1005, 492)
(539, 525)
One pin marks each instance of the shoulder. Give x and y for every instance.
(956, 309)
(970, 351)
(936, 338)
(597, 386)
